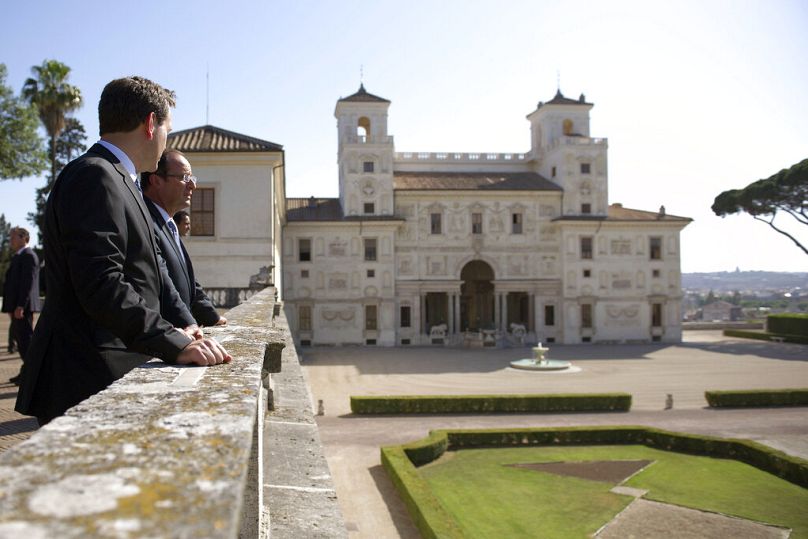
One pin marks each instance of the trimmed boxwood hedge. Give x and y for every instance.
(757, 398)
(433, 520)
(788, 324)
(490, 404)
(764, 336)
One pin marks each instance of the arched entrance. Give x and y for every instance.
(477, 296)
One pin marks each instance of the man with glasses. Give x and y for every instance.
(21, 291)
(105, 280)
(167, 191)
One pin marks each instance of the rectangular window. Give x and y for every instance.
(304, 250)
(367, 166)
(655, 248)
(586, 247)
(405, 316)
(655, 274)
(587, 273)
(586, 315)
(370, 317)
(656, 315)
(549, 315)
(586, 208)
(476, 223)
(553, 172)
(370, 249)
(435, 223)
(304, 274)
(585, 168)
(304, 317)
(516, 223)
(203, 212)
(371, 273)
(370, 208)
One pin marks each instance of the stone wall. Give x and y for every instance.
(168, 451)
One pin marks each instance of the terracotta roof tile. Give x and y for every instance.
(313, 209)
(467, 181)
(209, 138)
(559, 99)
(617, 212)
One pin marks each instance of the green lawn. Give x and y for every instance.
(490, 500)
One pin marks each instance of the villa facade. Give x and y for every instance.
(431, 247)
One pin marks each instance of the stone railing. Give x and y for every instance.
(230, 297)
(456, 157)
(167, 451)
(578, 141)
(372, 139)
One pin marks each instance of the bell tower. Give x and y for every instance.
(365, 155)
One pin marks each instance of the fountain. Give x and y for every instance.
(539, 362)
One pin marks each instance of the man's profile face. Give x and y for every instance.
(175, 193)
(184, 226)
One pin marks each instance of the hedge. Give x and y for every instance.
(757, 398)
(764, 336)
(788, 324)
(490, 404)
(433, 520)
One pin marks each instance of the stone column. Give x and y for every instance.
(531, 316)
(504, 312)
(422, 313)
(450, 329)
(497, 308)
(458, 329)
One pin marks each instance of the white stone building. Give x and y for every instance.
(431, 247)
(236, 210)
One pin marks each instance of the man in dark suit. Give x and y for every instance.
(101, 317)
(166, 191)
(21, 291)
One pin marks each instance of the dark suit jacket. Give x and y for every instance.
(181, 271)
(101, 316)
(21, 288)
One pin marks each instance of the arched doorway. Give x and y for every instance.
(477, 296)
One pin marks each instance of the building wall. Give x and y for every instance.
(244, 211)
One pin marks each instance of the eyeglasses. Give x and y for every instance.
(184, 178)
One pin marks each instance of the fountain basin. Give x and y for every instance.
(543, 365)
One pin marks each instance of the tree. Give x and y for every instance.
(21, 150)
(69, 144)
(785, 192)
(53, 98)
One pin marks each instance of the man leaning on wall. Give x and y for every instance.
(105, 282)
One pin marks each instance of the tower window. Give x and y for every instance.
(370, 208)
(370, 249)
(405, 316)
(516, 223)
(435, 223)
(367, 166)
(586, 208)
(363, 127)
(304, 250)
(655, 247)
(304, 318)
(553, 172)
(549, 315)
(656, 315)
(586, 315)
(586, 168)
(567, 127)
(476, 223)
(370, 317)
(586, 247)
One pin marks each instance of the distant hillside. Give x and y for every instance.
(752, 281)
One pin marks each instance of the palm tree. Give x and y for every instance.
(53, 97)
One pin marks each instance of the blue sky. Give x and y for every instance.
(695, 97)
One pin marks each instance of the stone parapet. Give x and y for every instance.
(167, 451)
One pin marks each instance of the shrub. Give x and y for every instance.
(757, 398)
(764, 336)
(788, 324)
(490, 404)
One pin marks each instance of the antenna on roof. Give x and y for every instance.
(361, 74)
(207, 93)
(558, 80)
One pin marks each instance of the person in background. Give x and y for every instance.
(21, 292)
(183, 220)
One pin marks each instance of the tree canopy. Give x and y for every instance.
(53, 97)
(783, 192)
(22, 152)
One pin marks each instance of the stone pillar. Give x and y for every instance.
(531, 308)
(537, 314)
(458, 329)
(504, 311)
(497, 308)
(422, 313)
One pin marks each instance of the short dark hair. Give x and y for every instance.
(22, 232)
(180, 216)
(126, 103)
(162, 167)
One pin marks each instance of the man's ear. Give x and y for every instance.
(151, 125)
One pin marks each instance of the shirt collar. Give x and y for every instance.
(122, 157)
(21, 249)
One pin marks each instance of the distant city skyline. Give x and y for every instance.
(694, 97)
